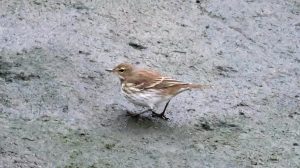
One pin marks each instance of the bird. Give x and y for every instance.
(148, 88)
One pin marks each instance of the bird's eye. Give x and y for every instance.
(121, 70)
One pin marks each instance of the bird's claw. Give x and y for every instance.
(162, 116)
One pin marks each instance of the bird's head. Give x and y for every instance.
(122, 70)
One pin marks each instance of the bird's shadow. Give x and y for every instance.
(140, 123)
(120, 120)
(144, 121)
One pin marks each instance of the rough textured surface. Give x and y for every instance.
(59, 108)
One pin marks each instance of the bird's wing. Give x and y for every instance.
(165, 82)
(146, 79)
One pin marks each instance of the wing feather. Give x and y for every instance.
(147, 79)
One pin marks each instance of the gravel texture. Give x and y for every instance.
(60, 108)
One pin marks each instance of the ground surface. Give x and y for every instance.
(59, 108)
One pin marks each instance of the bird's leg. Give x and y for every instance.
(137, 114)
(162, 115)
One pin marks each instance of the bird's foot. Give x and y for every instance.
(162, 115)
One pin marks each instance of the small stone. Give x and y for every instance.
(253, 162)
(136, 46)
(206, 127)
(109, 146)
(65, 109)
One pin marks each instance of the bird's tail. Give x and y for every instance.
(198, 86)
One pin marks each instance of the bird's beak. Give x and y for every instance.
(109, 70)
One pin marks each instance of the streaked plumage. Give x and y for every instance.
(148, 88)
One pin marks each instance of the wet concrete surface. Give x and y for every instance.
(60, 108)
